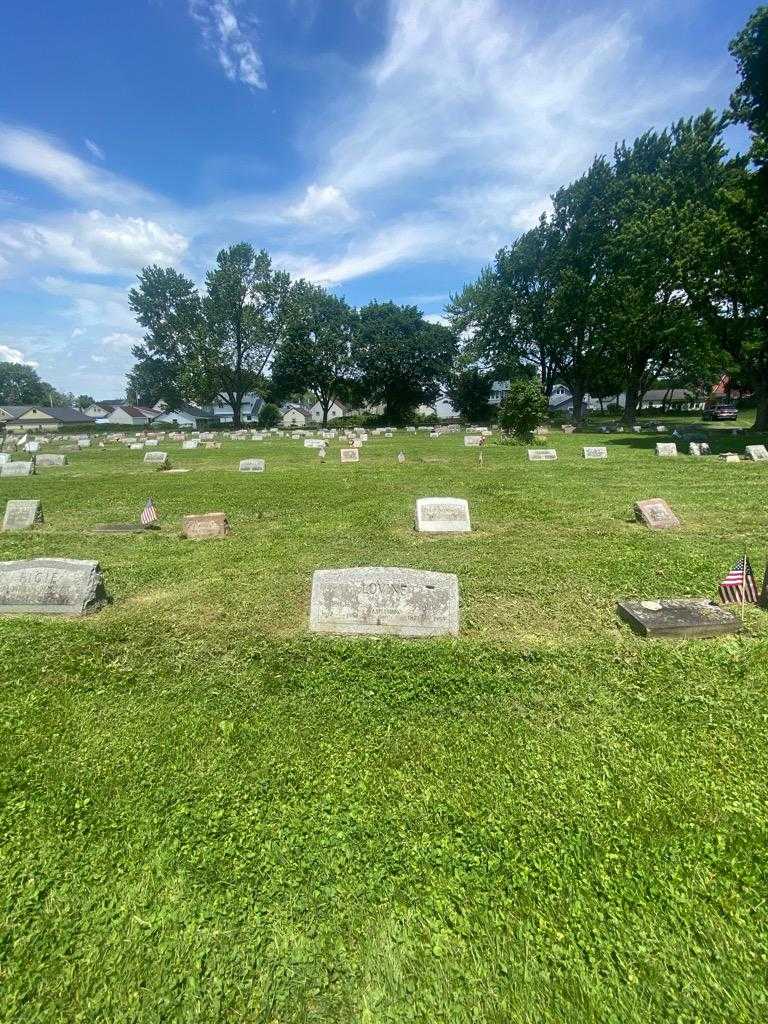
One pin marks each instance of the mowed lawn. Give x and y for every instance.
(211, 815)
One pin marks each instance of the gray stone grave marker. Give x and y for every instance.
(51, 586)
(48, 461)
(757, 452)
(158, 459)
(473, 440)
(666, 449)
(17, 469)
(595, 452)
(442, 515)
(252, 465)
(656, 514)
(23, 514)
(679, 617)
(350, 454)
(541, 454)
(205, 527)
(383, 601)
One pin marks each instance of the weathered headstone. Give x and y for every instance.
(84, 444)
(17, 469)
(204, 527)
(158, 459)
(350, 454)
(637, 430)
(23, 514)
(473, 440)
(595, 452)
(190, 445)
(694, 449)
(397, 602)
(136, 447)
(442, 515)
(568, 428)
(683, 617)
(656, 514)
(49, 461)
(51, 586)
(757, 452)
(541, 454)
(401, 457)
(151, 443)
(252, 465)
(730, 457)
(667, 450)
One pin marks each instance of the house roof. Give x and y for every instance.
(136, 411)
(61, 413)
(187, 410)
(670, 394)
(293, 407)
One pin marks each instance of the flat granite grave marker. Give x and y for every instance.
(190, 446)
(595, 452)
(159, 459)
(384, 602)
(678, 617)
(252, 465)
(656, 514)
(51, 586)
(48, 461)
(473, 440)
(23, 514)
(204, 527)
(350, 454)
(442, 515)
(666, 449)
(541, 454)
(17, 469)
(757, 452)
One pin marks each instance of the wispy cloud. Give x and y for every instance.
(36, 155)
(94, 149)
(14, 355)
(231, 39)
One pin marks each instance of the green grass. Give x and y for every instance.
(211, 815)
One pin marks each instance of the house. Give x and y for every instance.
(295, 415)
(100, 410)
(664, 398)
(130, 416)
(222, 412)
(442, 409)
(335, 412)
(182, 416)
(42, 417)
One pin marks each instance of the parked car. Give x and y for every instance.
(721, 411)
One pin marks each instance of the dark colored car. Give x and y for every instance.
(722, 411)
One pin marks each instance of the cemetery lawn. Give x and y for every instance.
(210, 815)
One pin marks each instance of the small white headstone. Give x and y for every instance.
(541, 454)
(595, 452)
(350, 455)
(666, 449)
(472, 440)
(190, 445)
(252, 465)
(757, 452)
(17, 469)
(23, 514)
(442, 515)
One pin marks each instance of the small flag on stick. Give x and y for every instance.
(148, 514)
(739, 585)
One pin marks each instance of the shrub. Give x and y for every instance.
(269, 416)
(523, 409)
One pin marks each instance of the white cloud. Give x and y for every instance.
(323, 203)
(32, 153)
(231, 40)
(13, 355)
(119, 340)
(94, 149)
(91, 243)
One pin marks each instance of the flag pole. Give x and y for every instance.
(743, 585)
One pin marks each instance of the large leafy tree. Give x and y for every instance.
(215, 346)
(469, 390)
(21, 385)
(401, 357)
(749, 103)
(316, 354)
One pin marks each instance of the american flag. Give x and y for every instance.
(148, 514)
(739, 585)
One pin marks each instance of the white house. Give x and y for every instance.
(184, 416)
(130, 416)
(335, 412)
(295, 415)
(100, 410)
(222, 412)
(442, 409)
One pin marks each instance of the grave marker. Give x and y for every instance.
(473, 440)
(23, 514)
(51, 586)
(595, 452)
(252, 466)
(382, 601)
(17, 469)
(46, 461)
(350, 454)
(442, 515)
(542, 454)
(680, 617)
(757, 452)
(666, 449)
(204, 527)
(159, 459)
(656, 514)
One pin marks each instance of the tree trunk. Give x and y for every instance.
(761, 411)
(578, 403)
(236, 401)
(631, 397)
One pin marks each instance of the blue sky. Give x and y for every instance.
(386, 148)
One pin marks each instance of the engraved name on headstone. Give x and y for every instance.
(384, 601)
(541, 454)
(442, 515)
(252, 465)
(656, 514)
(159, 459)
(757, 452)
(350, 454)
(51, 586)
(23, 514)
(595, 452)
(204, 527)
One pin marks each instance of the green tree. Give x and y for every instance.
(749, 102)
(269, 415)
(401, 357)
(83, 401)
(469, 390)
(523, 409)
(316, 353)
(21, 385)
